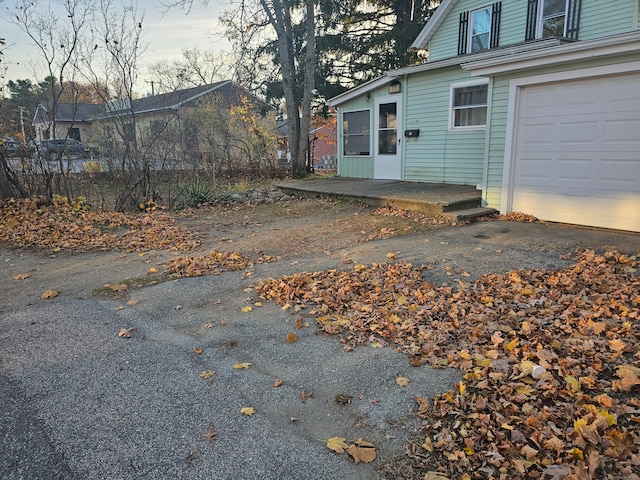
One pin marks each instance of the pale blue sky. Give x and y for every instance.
(166, 35)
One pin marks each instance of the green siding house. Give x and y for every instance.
(535, 101)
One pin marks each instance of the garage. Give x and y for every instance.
(576, 151)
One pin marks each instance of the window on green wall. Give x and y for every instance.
(469, 105)
(356, 133)
(480, 30)
(552, 18)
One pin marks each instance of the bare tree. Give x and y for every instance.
(195, 68)
(56, 29)
(110, 57)
(247, 23)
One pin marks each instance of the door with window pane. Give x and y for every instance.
(387, 159)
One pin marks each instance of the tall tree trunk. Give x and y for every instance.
(309, 87)
(298, 128)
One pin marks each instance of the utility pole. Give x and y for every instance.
(24, 138)
(153, 92)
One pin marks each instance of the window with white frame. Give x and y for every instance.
(469, 105)
(356, 133)
(553, 18)
(480, 29)
(553, 14)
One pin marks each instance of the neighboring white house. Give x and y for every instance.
(536, 100)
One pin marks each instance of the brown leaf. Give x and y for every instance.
(528, 452)
(50, 294)
(124, 333)
(278, 383)
(248, 411)
(594, 462)
(21, 276)
(435, 476)
(337, 444)
(292, 337)
(557, 472)
(423, 406)
(362, 451)
(209, 435)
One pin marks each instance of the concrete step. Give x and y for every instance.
(469, 213)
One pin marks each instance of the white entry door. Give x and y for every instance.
(387, 158)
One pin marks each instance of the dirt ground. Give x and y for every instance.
(285, 229)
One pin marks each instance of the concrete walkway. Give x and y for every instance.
(434, 198)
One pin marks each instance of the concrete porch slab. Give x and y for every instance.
(432, 198)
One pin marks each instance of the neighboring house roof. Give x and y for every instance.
(433, 23)
(70, 112)
(174, 100)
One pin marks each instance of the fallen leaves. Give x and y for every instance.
(212, 264)
(50, 294)
(551, 360)
(402, 381)
(21, 276)
(360, 450)
(207, 374)
(242, 366)
(249, 411)
(58, 226)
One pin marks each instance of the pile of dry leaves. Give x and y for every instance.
(212, 264)
(63, 226)
(551, 362)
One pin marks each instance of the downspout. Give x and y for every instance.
(403, 150)
(487, 140)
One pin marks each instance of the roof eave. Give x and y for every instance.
(433, 23)
(360, 90)
(563, 53)
(502, 52)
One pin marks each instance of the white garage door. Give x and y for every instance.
(577, 152)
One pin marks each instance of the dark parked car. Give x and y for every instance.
(13, 148)
(67, 147)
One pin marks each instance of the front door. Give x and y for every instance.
(387, 160)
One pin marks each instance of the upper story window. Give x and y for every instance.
(553, 18)
(479, 29)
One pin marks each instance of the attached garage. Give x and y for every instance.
(575, 153)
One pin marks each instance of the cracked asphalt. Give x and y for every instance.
(79, 402)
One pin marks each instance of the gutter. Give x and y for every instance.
(582, 50)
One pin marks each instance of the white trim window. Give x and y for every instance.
(479, 29)
(469, 105)
(356, 133)
(553, 16)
